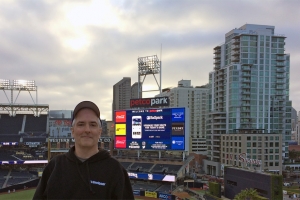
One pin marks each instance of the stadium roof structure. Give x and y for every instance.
(20, 86)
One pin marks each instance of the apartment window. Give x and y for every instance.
(276, 157)
(271, 157)
(248, 150)
(254, 151)
(259, 138)
(254, 144)
(248, 144)
(270, 164)
(276, 163)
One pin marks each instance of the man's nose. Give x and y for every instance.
(87, 128)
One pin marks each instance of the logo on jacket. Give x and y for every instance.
(98, 183)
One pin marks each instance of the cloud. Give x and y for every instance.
(77, 50)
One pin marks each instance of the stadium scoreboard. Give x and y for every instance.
(151, 129)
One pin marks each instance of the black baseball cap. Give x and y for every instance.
(86, 104)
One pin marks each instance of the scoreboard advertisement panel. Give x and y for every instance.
(151, 129)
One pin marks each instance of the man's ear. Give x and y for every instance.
(72, 131)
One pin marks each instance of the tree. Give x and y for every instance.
(294, 155)
(247, 194)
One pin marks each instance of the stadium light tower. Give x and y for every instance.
(19, 86)
(148, 65)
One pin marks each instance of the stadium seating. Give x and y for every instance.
(145, 186)
(126, 164)
(166, 169)
(140, 167)
(164, 188)
(10, 138)
(3, 172)
(35, 124)
(10, 125)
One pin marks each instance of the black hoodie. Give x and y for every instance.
(99, 177)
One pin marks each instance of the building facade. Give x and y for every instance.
(252, 150)
(194, 98)
(249, 87)
(122, 93)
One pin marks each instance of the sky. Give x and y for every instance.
(78, 49)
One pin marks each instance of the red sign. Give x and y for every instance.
(149, 102)
(120, 142)
(120, 116)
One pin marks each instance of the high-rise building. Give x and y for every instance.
(134, 91)
(122, 93)
(194, 98)
(249, 88)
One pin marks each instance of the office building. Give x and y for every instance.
(122, 93)
(248, 88)
(194, 98)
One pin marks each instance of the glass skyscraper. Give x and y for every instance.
(249, 88)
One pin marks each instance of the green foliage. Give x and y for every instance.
(215, 189)
(294, 155)
(247, 193)
(212, 196)
(276, 187)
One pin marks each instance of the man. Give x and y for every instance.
(85, 172)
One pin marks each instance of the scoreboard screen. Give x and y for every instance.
(151, 129)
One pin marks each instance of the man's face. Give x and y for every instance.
(86, 129)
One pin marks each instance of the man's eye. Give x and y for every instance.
(93, 125)
(80, 124)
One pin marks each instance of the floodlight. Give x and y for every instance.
(30, 85)
(4, 83)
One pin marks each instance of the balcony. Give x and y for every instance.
(280, 88)
(245, 98)
(280, 76)
(246, 92)
(280, 82)
(280, 70)
(236, 41)
(280, 64)
(280, 93)
(235, 47)
(280, 58)
(217, 61)
(246, 68)
(246, 75)
(246, 111)
(236, 59)
(217, 67)
(246, 80)
(245, 104)
(217, 56)
(235, 53)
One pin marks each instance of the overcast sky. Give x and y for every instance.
(77, 50)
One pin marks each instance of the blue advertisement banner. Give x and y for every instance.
(164, 196)
(137, 192)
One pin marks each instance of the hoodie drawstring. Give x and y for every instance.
(89, 178)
